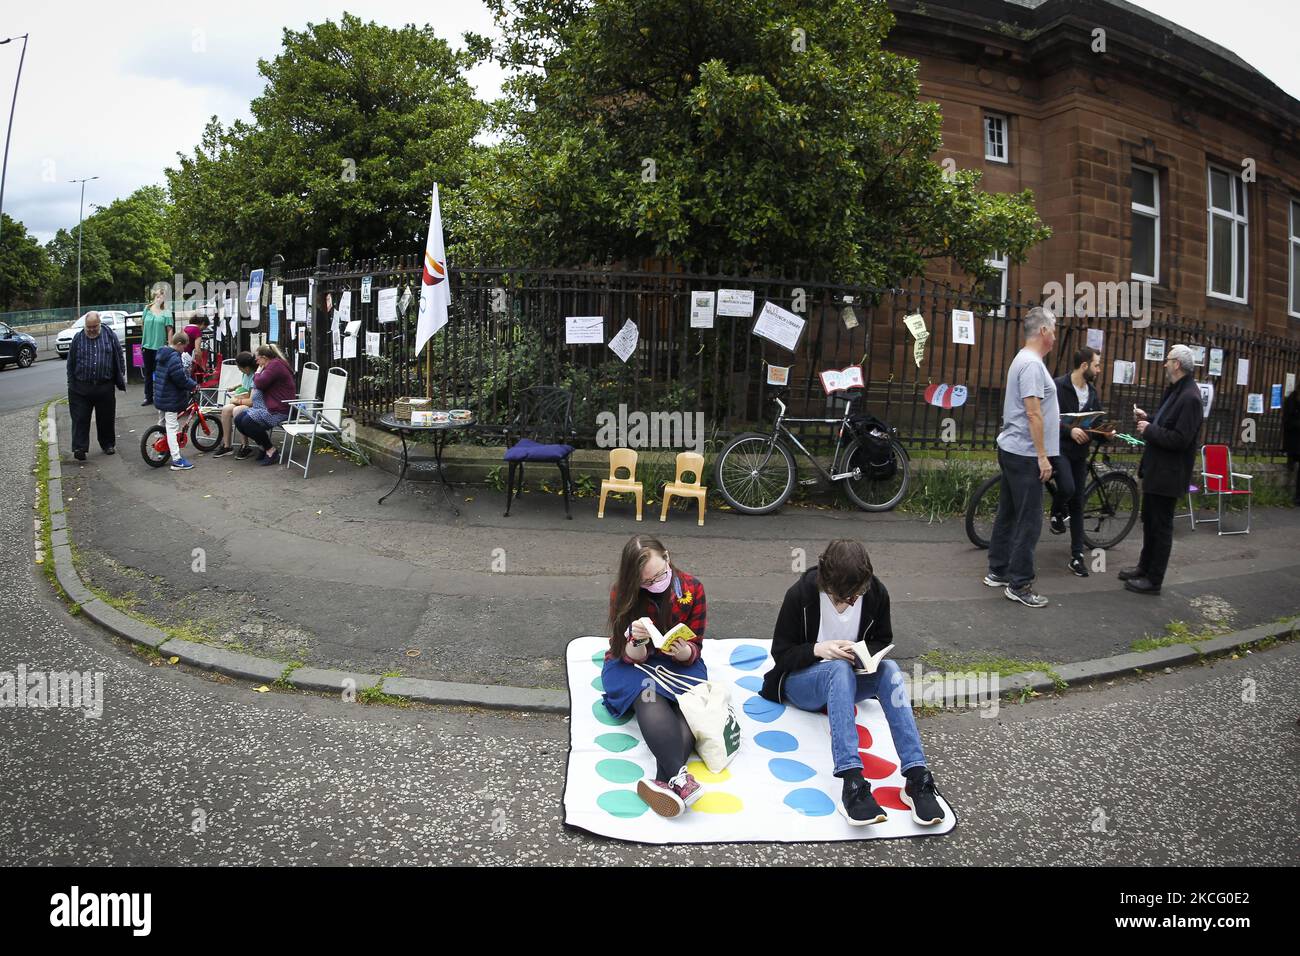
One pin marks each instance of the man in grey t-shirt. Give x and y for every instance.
(1029, 440)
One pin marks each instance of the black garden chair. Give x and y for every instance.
(543, 424)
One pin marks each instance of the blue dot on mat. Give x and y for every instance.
(748, 656)
(791, 771)
(763, 710)
(750, 683)
(810, 802)
(777, 741)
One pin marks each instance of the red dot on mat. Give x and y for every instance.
(888, 798)
(874, 768)
(864, 738)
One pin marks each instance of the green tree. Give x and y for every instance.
(133, 233)
(25, 271)
(770, 133)
(96, 270)
(356, 124)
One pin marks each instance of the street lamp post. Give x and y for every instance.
(81, 219)
(4, 170)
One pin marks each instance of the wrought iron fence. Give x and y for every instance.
(507, 332)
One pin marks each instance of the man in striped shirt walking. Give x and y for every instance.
(95, 366)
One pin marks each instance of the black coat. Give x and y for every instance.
(1291, 424)
(1068, 401)
(799, 622)
(1170, 452)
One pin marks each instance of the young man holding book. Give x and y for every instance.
(1075, 393)
(834, 606)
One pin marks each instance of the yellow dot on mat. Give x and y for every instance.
(702, 773)
(715, 802)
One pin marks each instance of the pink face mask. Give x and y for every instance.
(659, 587)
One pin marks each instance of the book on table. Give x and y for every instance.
(665, 641)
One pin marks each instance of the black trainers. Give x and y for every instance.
(1059, 524)
(244, 452)
(857, 805)
(223, 452)
(1025, 596)
(1078, 566)
(996, 580)
(922, 796)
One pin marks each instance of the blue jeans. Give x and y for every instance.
(833, 685)
(1019, 520)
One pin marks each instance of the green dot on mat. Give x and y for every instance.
(598, 658)
(621, 803)
(616, 743)
(605, 717)
(599, 684)
(619, 771)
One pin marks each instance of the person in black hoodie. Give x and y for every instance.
(1074, 393)
(834, 605)
(1291, 435)
(1166, 468)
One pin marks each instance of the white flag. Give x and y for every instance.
(435, 295)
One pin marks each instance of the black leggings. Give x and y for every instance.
(665, 731)
(150, 359)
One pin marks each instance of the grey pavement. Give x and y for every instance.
(190, 768)
(316, 571)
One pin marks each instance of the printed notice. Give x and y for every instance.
(963, 327)
(1243, 373)
(701, 310)
(1216, 361)
(388, 305)
(736, 302)
(624, 343)
(778, 325)
(1155, 350)
(584, 330)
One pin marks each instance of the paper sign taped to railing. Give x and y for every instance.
(778, 325)
(963, 327)
(1207, 397)
(372, 343)
(624, 343)
(1243, 372)
(1216, 361)
(837, 380)
(701, 310)
(1255, 403)
(350, 338)
(388, 305)
(778, 374)
(736, 302)
(584, 330)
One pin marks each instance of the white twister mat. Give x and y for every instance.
(778, 789)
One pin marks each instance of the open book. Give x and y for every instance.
(835, 380)
(868, 660)
(665, 642)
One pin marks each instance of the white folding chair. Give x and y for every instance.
(213, 398)
(323, 419)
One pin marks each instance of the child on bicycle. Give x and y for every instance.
(172, 389)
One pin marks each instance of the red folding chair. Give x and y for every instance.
(1217, 477)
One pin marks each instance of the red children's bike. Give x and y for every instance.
(203, 430)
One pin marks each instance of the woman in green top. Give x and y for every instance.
(157, 325)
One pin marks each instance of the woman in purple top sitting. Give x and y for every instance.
(273, 389)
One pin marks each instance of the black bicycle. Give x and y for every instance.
(1110, 505)
(756, 473)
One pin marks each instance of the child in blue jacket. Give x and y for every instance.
(171, 393)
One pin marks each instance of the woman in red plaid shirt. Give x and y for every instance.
(649, 586)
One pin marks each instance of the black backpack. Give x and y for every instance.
(876, 457)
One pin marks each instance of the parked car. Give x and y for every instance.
(17, 348)
(115, 319)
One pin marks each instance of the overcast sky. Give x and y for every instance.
(116, 90)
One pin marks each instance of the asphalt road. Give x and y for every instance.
(184, 768)
(25, 387)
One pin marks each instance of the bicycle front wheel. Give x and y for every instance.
(206, 432)
(755, 474)
(981, 510)
(1110, 509)
(874, 489)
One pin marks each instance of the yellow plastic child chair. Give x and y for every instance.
(620, 458)
(687, 462)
